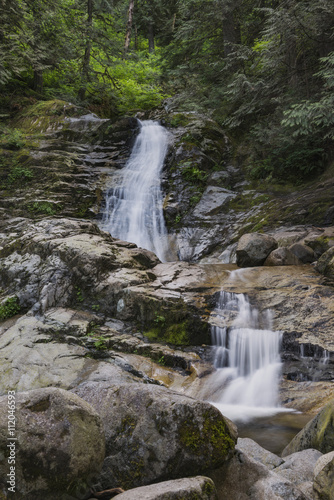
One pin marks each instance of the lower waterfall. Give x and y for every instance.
(246, 358)
(134, 207)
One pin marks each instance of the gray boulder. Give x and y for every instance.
(317, 434)
(324, 477)
(256, 452)
(298, 469)
(254, 248)
(282, 257)
(325, 264)
(303, 252)
(243, 478)
(154, 434)
(199, 488)
(60, 444)
(213, 199)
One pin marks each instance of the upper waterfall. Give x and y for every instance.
(134, 207)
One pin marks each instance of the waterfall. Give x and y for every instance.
(247, 359)
(134, 207)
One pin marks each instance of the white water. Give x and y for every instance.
(247, 360)
(134, 207)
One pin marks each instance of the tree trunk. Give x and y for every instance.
(129, 26)
(150, 38)
(231, 27)
(86, 59)
(38, 81)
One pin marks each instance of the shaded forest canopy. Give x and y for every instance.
(263, 69)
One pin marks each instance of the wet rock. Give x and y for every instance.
(33, 356)
(282, 257)
(256, 452)
(317, 434)
(320, 240)
(325, 264)
(254, 248)
(304, 253)
(199, 487)
(154, 434)
(60, 444)
(287, 236)
(324, 477)
(213, 199)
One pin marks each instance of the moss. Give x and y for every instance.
(208, 488)
(212, 441)
(178, 334)
(128, 425)
(179, 120)
(9, 308)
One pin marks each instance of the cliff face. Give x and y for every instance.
(80, 308)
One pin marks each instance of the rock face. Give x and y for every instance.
(60, 444)
(253, 249)
(324, 477)
(153, 434)
(318, 433)
(63, 262)
(201, 488)
(70, 161)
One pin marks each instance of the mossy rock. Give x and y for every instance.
(325, 264)
(317, 434)
(154, 434)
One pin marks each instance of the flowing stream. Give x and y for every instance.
(247, 359)
(244, 385)
(134, 207)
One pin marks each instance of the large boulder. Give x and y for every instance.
(304, 253)
(245, 478)
(154, 434)
(35, 354)
(254, 248)
(323, 484)
(256, 452)
(317, 434)
(59, 445)
(282, 257)
(325, 264)
(199, 488)
(298, 469)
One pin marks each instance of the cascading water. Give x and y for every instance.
(134, 207)
(247, 359)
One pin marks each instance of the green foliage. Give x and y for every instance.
(192, 173)
(43, 207)
(9, 308)
(195, 199)
(290, 162)
(100, 344)
(19, 175)
(162, 360)
(79, 295)
(159, 320)
(312, 117)
(12, 139)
